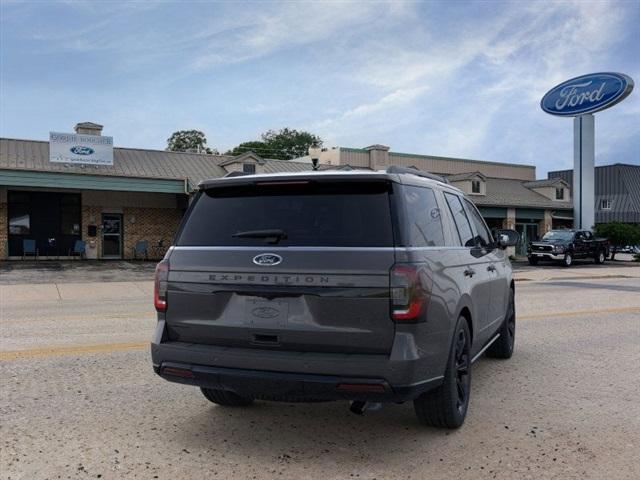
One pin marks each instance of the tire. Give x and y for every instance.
(532, 260)
(225, 398)
(567, 261)
(504, 345)
(446, 406)
(600, 257)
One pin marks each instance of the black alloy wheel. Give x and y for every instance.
(446, 406)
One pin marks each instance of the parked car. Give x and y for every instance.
(363, 286)
(565, 246)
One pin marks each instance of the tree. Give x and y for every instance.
(188, 141)
(284, 144)
(619, 234)
(257, 147)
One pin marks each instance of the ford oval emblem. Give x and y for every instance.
(80, 150)
(267, 259)
(587, 94)
(265, 312)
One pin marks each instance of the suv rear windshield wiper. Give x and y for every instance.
(272, 235)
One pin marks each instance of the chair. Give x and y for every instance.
(29, 248)
(142, 249)
(79, 248)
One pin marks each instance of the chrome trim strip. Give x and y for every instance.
(290, 249)
(484, 348)
(314, 249)
(439, 377)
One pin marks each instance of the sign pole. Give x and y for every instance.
(583, 171)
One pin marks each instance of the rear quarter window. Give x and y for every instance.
(319, 214)
(424, 224)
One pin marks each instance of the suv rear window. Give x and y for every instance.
(311, 214)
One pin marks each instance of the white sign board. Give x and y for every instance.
(75, 148)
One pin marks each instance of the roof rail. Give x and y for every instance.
(415, 171)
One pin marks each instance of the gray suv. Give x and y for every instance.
(364, 286)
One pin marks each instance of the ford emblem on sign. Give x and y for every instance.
(79, 150)
(267, 259)
(587, 94)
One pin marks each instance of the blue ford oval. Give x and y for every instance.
(80, 150)
(587, 94)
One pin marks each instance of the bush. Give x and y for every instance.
(619, 234)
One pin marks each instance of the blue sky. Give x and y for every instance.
(461, 79)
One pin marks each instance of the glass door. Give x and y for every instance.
(111, 235)
(528, 233)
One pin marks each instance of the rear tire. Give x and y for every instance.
(600, 257)
(446, 406)
(503, 346)
(567, 261)
(225, 398)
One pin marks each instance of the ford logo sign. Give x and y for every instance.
(267, 259)
(265, 312)
(79, 150)
(587, 94)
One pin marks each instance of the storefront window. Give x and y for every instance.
(19, 220)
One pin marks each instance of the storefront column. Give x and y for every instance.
(545, 224)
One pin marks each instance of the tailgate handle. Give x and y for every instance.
(262, 338)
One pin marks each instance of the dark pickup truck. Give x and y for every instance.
(566, 245)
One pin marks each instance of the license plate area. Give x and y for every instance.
(260, 313)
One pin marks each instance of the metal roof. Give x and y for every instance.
(514, 193)
(547, 182)
(33, 155)
(620, 185)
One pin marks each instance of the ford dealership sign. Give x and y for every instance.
(80, 149)
(587, 94)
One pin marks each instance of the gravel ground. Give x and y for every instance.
(565, 406)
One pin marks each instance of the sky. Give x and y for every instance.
(453, 78)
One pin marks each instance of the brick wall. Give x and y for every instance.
(150, 224)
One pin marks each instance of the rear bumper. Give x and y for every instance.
(281, 386)
(290, 375)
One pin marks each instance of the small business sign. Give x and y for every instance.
(80, 149)
(587, 94)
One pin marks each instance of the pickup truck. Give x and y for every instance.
(566, 245)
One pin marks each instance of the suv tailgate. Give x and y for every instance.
(323, 287)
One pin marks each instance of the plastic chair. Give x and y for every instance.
(29, 248)
(142, 249)
(79, 248)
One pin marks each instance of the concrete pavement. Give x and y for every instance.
(80, 399)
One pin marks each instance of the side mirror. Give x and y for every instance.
(507, 238)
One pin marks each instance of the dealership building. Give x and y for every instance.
(114, 198)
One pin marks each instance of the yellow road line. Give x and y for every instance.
(55, 351)
(574, 313)
(114, 347)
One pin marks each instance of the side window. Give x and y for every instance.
(483, 237)
(588, 236)
(423, 215)
(460, 219)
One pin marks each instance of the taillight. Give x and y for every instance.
(410, 288)
(160, 286)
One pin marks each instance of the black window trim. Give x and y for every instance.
(453, 217)
(468, 204)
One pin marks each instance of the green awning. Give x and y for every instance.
(493, 212)
(30, 178)
(529, 213)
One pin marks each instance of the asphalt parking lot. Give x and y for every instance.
(79, 398)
